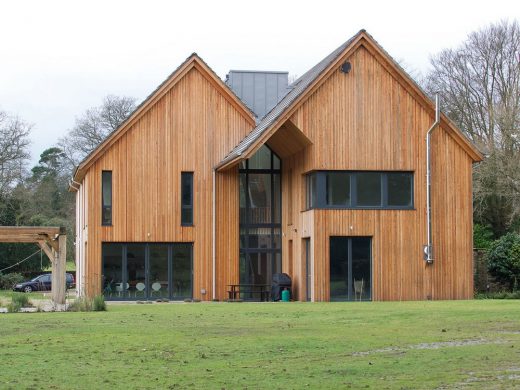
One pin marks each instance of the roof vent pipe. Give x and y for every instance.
(428, 248)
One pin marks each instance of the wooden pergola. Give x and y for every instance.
(53, 241)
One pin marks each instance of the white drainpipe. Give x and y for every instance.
(428, 249)
(213, 243)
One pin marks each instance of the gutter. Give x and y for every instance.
(230, 159)
(428, 248)
(74, 185)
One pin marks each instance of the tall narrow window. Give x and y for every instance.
(106, 192)
(187, 198)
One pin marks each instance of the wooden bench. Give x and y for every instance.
(236, 289)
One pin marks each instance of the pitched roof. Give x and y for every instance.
(301, 86)
(298, 87)
(192, 61)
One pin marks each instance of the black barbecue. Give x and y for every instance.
(280, 282)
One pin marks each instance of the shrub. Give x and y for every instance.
(498, 295)
(98, 304)
(504, 260)
(81, 304)
(7, 281)
(86, 304)
(18, 301)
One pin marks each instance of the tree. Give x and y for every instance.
(479, 86)
(40, 199)
(94, 126)
(14, 153)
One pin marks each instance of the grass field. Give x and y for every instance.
(470, 344)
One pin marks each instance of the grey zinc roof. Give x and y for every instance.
(296, 89)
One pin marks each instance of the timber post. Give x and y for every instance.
(53, 241)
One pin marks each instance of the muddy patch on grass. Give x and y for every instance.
(434, 345)
(500, 378)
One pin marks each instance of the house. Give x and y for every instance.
(327, 182)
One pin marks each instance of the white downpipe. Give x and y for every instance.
(428, 250)
(213, 233)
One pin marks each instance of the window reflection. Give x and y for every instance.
(147, 271)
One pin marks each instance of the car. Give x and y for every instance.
(42, 283)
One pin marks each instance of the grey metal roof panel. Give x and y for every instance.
(296, 89)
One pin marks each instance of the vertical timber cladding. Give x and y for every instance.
(189, 129)
(367, 120)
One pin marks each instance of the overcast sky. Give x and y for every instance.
(59, 58)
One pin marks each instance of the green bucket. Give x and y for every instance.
(286, 295)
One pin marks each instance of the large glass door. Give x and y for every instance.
(350, 268)
(182, 271)
(158, 280)
(136, 271)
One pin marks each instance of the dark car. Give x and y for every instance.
(42, 283)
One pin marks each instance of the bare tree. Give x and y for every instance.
(479, 84)
(14, 153)
(94, 126)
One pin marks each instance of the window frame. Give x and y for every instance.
(189, 206)
(320, 199)
(107, 222)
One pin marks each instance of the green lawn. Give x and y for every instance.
(470, 344)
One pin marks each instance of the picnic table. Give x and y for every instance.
(262, 290)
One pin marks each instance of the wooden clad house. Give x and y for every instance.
(327, 183)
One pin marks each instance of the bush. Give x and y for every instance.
(7, 281)
(498, 295)
(86, 304)
(98, 304)
(504, 260)
(18, 301)
(81, 304)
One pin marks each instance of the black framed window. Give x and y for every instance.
(187, 198)
(260, 218)
(106, 198)
(360, 190)
(140, 270)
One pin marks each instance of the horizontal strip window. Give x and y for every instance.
(359, 190)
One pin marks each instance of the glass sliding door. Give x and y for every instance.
(134, 271)
(182, 271)
(157, 285)
(112, 270)
(360, 258)
(350, 268)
